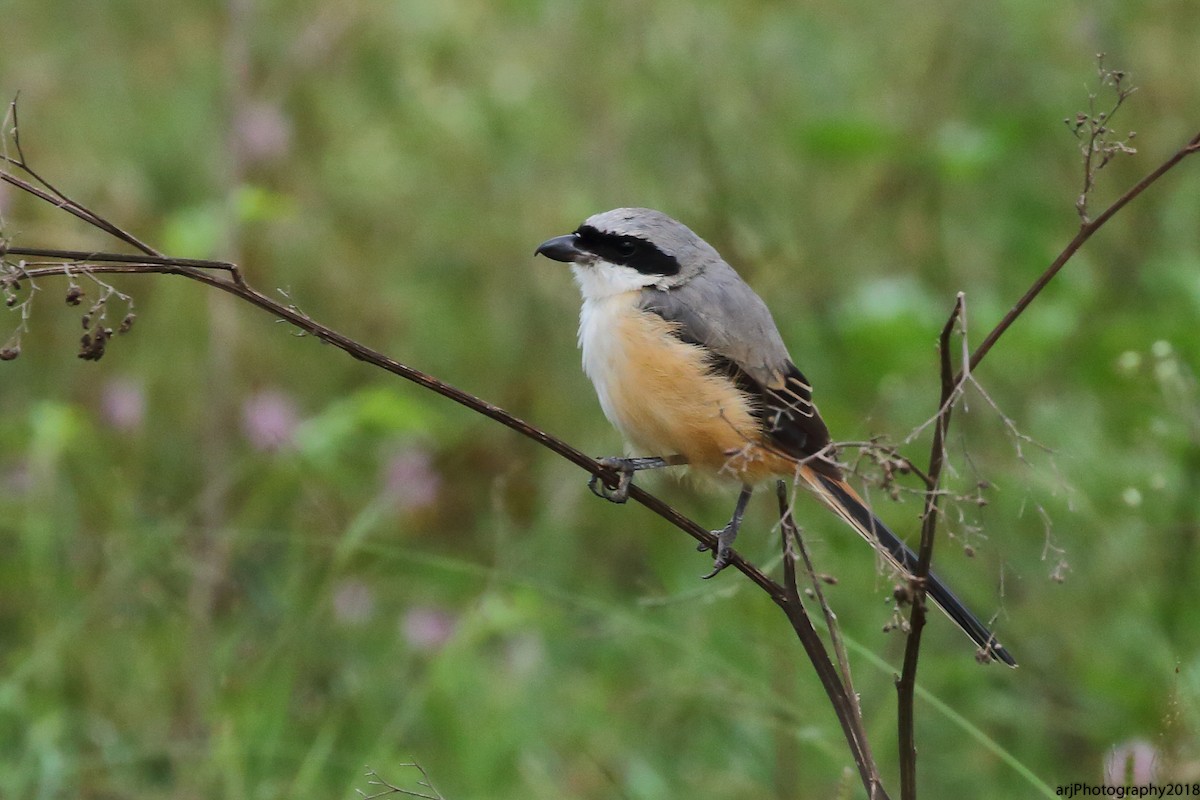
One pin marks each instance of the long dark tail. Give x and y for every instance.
(846, 503)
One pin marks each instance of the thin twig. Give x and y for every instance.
(907, 683)
(374, 779)
(102, 264)
(951, 385)
(1094, 129)
(838, 688)
(110, 263)
(1086, 230)
(85, 256)
(786, 597)
(53, 196)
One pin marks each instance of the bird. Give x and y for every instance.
(689, 366)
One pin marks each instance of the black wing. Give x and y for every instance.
(732, 324)
(789, 419)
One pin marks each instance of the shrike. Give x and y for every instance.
(690, 368)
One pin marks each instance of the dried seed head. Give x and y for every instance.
(91, 345)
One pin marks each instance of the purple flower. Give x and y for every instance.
(123, 404)
(269, 420)
(409, 479)
(1132, 763)
(262, 133)
(426, 628)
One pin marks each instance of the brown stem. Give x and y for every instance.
(57, 198)
(838, 688)
(114, 258)
(787, 600)
(951, 382)
(907, 682)
(1085, 232)
(363, 353)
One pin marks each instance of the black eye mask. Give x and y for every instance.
(630, 251)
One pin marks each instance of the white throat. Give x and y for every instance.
(601, 279)
(610, 292)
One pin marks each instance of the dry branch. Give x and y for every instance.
(835, 679)
(228, 278)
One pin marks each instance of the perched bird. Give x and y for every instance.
(690, 368)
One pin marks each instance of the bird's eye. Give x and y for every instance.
(627, 247)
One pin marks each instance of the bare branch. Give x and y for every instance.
(1086, 230)
(70, 263)
(839, 689)
(1092, 128)
(907, 683)
(1098, 148)
(84, 256)
(53, 196)
(373, 779)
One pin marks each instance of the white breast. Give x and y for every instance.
(610, 291)
(602, 356)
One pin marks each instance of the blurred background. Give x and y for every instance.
(237, 564)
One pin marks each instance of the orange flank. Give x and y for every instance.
(699, 414)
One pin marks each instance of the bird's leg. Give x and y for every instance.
(625, 468)
(726, 535)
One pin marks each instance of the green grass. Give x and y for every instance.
(186, 612)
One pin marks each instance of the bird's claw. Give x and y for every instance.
(620, 492)
(725, 538)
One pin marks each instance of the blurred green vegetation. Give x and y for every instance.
(236, 564)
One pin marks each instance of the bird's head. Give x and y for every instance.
(630, 248)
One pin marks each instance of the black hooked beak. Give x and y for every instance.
(561, 248)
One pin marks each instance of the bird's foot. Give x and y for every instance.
(725, 537)
(625, 467)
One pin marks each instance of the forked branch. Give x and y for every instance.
(37, 263)
(1098, 149)
(33, 264)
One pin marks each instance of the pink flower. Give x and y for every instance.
(1132, 763)
(426, 628)
(123, 404)
(409, 479)
(262, 133)
(269, 420)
